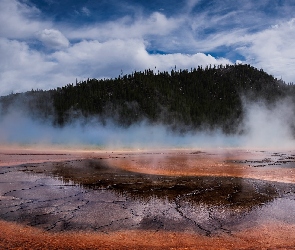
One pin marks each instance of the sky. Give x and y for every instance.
(46, 44)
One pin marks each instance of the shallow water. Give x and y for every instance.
(94, 195)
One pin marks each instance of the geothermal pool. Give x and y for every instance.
(209, 193)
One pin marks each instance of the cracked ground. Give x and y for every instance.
(92, 195)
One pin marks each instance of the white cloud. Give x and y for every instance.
(186, 61)
(190, 4)
(107, 59)
(53, 39)
(19, 20)
(86, 11)
(273, 50)
(126, 28)
(22, 68)
(103, 49)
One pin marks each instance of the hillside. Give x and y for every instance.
(182, 100)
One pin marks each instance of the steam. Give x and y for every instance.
(263, 127)
(269, 127)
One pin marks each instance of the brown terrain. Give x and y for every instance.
(276, 230)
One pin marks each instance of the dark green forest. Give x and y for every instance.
(180, 99)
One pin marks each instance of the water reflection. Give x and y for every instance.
(92, 195)
(226, 191)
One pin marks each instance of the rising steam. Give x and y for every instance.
(263, 127)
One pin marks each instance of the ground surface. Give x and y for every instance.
(183, 199)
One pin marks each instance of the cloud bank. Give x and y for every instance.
(40, 51)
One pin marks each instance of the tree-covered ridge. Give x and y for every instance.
(210, 96)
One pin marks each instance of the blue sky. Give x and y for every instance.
(49, 43)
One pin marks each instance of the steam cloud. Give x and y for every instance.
(263, 127)
(269, 127)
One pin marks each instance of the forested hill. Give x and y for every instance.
(210, 96)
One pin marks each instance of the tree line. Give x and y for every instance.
(180, 99)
